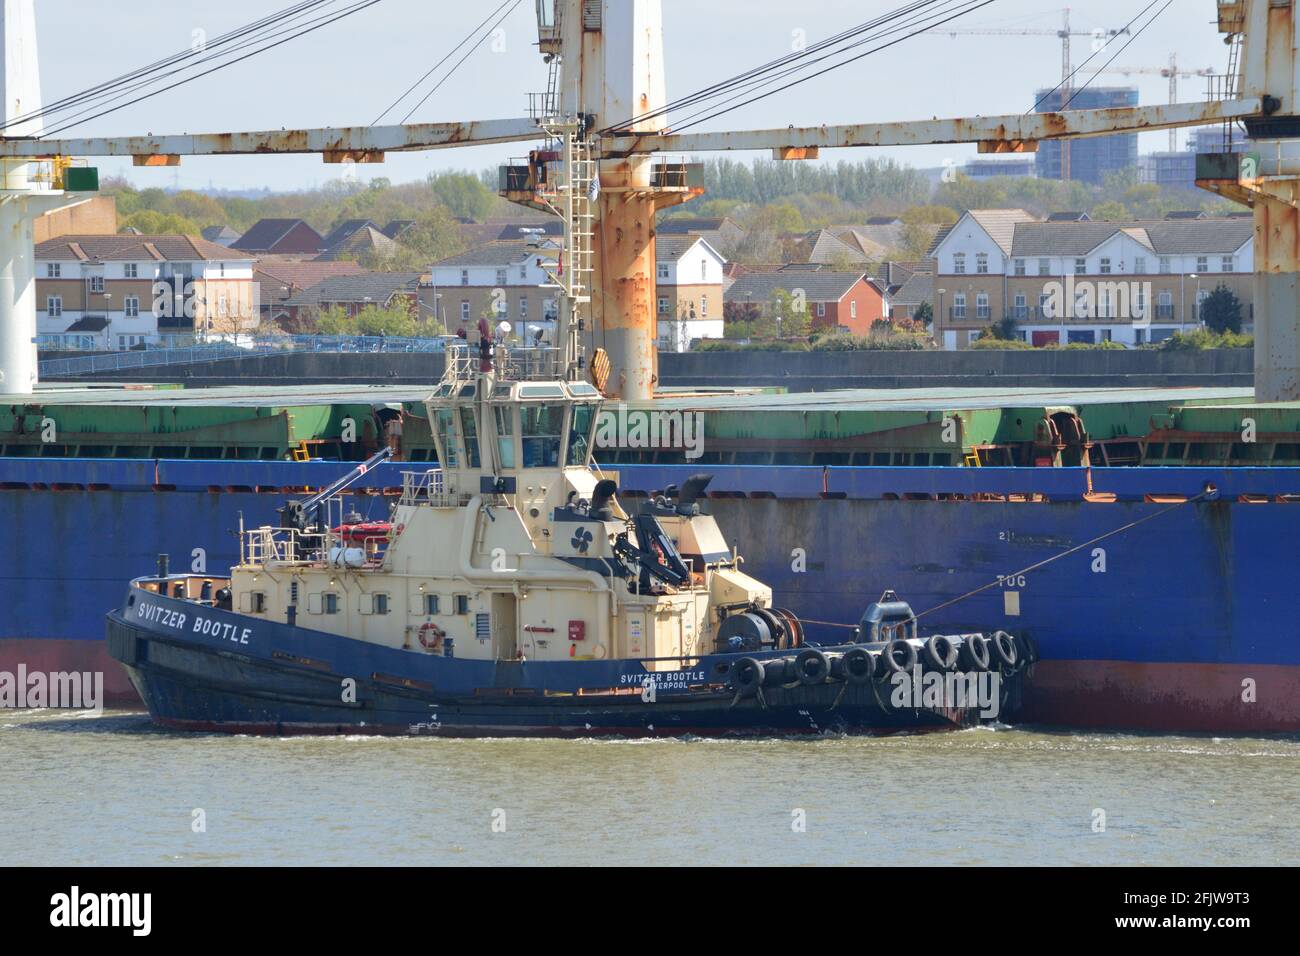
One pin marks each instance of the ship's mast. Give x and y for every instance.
(611, 71)
(23, 197)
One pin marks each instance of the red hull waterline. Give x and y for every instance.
(1109, 695)
(1172, 698)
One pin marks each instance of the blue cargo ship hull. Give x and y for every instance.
(1169, 611)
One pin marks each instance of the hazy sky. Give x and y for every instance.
(347, 73)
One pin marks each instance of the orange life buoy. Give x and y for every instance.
(431, 636)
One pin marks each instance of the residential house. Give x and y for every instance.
(1082, 280)
(503, 279)
(891, 274)
(824, 247)
(720, 233)
(365, 243)
(280, 280)
(280, 237)
(398, 228)
(848, 301)
(688, 291)
(875, 239)
(475, 234)
(221, 235)
(357, 292)
(96, 215)
(917, 291)
(118, 292)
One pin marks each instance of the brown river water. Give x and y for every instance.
(111, 789)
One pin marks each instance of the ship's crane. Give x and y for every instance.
(305, 515)
(1067, 69)
(610, 56)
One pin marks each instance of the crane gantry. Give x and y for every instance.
(609, 58)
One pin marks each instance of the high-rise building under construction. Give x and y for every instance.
(1092, 158)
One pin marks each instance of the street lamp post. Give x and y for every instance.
(939, 315)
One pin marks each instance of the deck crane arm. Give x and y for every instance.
(336, 144)
(1005, 133)
(301, 515)
(994, 134)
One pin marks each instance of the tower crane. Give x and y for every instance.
(1172, 73)
(1067, 70)
(610, 54)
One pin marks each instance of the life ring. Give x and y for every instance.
(431, 636)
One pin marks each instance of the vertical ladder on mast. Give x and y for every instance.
(574, 199)
(1233, 84)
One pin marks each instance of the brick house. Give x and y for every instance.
(836, 300)
(280, 237)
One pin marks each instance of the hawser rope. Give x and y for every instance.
(1210, 492)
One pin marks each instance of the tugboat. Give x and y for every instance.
(510, 592)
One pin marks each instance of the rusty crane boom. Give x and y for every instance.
(602, 120)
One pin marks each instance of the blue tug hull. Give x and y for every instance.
(204, 669)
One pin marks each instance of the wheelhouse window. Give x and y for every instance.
(505, 421)
(469, 431)
(584, 419)
(446, 425)
(541, 427)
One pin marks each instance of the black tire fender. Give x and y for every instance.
(747, 676)
(974, 653)
(939, 653)
(898, 657)
(812, 666)
(1028, 652)
(1002, 650)
(858, 666)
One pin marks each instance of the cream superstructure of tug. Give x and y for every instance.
(483, 573)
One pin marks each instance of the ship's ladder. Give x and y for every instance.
(573, 198)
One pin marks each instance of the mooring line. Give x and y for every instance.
(1078, 547)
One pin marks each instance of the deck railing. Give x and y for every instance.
(422, 487)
